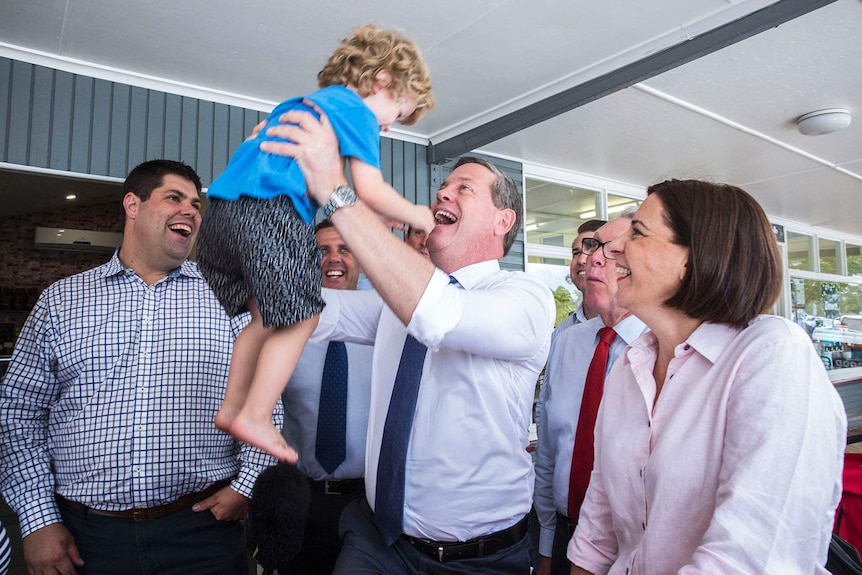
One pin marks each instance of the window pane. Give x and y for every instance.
(828, 256)
(618, 204)
(555, 211)
(556, 277)
(831, 313)
(854, 259)
(798, 251)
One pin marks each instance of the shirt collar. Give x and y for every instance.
(629, 329)
(115, 267)
(579, 314)
(471, 275)
(709, 340)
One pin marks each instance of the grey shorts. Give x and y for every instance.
(261, 249)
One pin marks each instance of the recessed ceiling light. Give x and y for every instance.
(823, 121)
(71, 197)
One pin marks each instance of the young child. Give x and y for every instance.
(257, 248)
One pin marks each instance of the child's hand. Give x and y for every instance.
(422, 219)
(256, 130)
(395, 224)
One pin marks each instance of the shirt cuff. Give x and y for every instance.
(37, 515)
(546, 541)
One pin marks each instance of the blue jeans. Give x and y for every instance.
(364, 552)
(180, 543)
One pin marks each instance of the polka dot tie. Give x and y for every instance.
(331, 443)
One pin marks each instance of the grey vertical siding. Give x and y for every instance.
(53, 119)
(514, 260)
(405, 167)
(62, 121)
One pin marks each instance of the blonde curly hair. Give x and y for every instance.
(370, 50)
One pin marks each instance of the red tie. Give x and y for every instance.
(582, 454)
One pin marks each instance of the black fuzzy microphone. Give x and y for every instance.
(276, 517)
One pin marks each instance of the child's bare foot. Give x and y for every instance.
(225, 417)
(263, 435)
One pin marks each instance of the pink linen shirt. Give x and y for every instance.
(735, 469)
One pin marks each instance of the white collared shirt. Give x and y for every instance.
(468, 472)
(301, 400)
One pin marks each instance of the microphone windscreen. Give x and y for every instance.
(277, 515)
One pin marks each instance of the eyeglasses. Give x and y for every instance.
(589, 246)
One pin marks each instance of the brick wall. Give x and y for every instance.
(24, 267)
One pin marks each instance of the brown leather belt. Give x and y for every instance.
(478, 547)
(149, 513)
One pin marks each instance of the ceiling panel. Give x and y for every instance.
(707, 118)
(765, 82)
(641, 139)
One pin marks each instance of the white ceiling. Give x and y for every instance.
(728, 115)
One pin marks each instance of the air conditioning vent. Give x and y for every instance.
(76, 240)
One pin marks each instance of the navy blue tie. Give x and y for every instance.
(331, 443)
(389, 495)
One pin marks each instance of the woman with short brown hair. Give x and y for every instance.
(720, 439)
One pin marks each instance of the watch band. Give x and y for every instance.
(341, 197)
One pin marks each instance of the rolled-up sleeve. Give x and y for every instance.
(349, 316)
(485, 321)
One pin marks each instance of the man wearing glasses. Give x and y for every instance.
(567, 390)
(577, 273)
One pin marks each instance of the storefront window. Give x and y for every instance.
(799, 251)
(854, 259)
(555, 211)
(618, 204)
(829, 256)
(556, 277)
(831, 313)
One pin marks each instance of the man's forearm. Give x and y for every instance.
(399, 273)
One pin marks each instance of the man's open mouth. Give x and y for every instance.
(184, 230)
(335, 273)
(444, 218)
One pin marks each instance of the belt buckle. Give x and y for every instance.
(138, 514)
(327, 490)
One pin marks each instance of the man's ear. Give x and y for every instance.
(505, 221)
(131, 204)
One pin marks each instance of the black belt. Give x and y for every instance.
(567, 523)
(148, 513)
(340, 486)
(478, 547)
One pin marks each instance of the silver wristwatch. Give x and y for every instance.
(342, 196)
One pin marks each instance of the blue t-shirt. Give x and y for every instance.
(256, 174)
